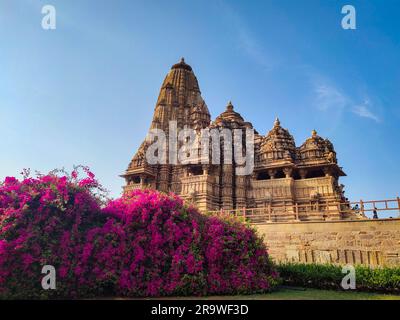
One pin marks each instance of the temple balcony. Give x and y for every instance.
(135, 186)
(322, 185)
(271, 188)
(197, 183)
(132, 186)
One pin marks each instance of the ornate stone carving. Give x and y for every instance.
(277, 144)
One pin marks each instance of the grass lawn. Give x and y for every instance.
(302, 294)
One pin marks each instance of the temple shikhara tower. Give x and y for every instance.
(288, 182)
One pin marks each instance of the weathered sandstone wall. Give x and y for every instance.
(369, 242)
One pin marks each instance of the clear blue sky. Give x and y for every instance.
(85, 92)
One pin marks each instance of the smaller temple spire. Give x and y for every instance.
(314, 133)
(229, 106)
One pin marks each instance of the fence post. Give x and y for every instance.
(296, 207)
(362, 207)
(244, 213)
(269, 212)
(398, 204)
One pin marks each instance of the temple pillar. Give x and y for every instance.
(164, 178)
(240, 191)
(226, 185)
(141, 181)
(288, 172)
(272, 173)
(303, 173)
(327, 171)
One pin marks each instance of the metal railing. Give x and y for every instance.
(322, 211)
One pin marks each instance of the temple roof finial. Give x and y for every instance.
(182, 65)
(277, 122)
(314, 133)
(229, 106)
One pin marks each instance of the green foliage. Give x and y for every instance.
(329, 276)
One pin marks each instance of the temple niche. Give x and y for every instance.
(288, 182)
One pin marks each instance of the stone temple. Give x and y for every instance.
(288, 183)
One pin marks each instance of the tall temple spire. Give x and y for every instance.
(179, 98)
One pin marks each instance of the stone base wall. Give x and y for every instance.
(369, 242)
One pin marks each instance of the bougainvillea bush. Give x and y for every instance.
(44, 221)
(143, 244)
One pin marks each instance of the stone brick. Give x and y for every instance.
(369, 242)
